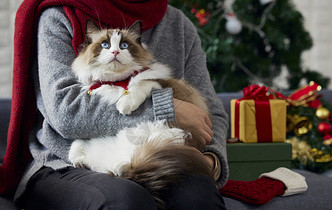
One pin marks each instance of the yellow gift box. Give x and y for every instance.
(245, 128)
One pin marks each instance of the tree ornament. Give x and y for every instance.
(233, 25)
(320, 156)
(303, 126)
(325, 128)
(201, 15)
(322, 113)
(298, 124)
(301, 150)
(327, 137)
(327, 142)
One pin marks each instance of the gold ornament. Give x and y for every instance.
(321, 157)
(322, 113)
(327, 142)
(298, 124)
(324, 158)
(301, 150)
(202, 11)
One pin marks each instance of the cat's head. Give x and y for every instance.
(111, 54)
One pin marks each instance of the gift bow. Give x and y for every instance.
(305, 96)
(256, 92)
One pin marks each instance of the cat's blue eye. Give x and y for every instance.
(105, 45)
(124, 45)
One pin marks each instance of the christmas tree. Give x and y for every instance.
(309, 129)
(251, 41)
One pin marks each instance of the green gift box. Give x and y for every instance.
(248, 160)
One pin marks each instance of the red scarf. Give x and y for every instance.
(115, 13)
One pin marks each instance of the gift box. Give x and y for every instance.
(257, 117)
(247, 161)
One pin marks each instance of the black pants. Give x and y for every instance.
(75, 188)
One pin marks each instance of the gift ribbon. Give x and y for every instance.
(305, 96)
(262, 109)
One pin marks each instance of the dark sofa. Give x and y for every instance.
(317, 197)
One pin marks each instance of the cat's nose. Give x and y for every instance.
(116, 52)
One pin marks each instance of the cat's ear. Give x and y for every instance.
(91, 28)
(137, 29)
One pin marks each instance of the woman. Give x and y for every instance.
(66, 112)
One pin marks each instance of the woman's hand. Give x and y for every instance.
(190, 115)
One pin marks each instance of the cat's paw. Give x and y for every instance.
(77, 154)
(81, 165)
(127, 104)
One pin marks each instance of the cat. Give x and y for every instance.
(118, 68)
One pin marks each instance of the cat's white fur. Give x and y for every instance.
(109, 154)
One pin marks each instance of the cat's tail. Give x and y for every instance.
(157, 165)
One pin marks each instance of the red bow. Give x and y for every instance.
(256, 92)
(305, 96)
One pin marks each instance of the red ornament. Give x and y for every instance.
(327, 137)
(325, 128)
(201, 15)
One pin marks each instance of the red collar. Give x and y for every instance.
(123, 83)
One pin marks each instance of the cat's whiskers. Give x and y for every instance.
(115, 60)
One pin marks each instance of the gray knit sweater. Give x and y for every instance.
(66, 112)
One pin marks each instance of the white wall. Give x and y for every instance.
(7, 16)
(317, 15)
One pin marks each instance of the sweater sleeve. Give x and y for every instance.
(197, 74)
(60, 98)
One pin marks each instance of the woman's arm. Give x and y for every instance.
(196, 73)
